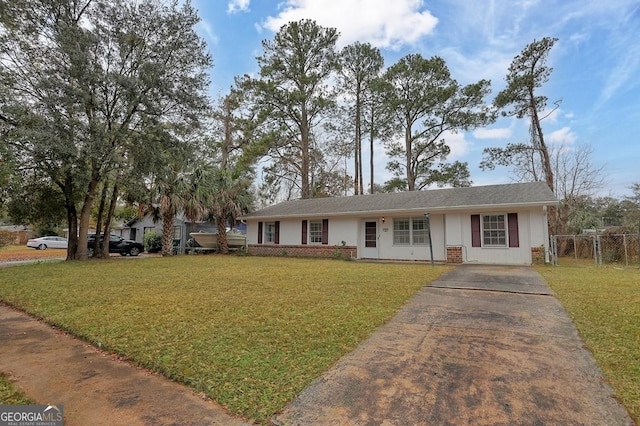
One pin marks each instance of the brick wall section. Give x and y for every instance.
(537, 255)
(454, 254)
(326, 251)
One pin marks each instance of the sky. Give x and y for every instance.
(596, 64)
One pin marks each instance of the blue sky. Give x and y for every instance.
(596, 63)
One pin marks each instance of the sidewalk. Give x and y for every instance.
(94, 388)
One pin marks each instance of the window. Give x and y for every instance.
(419, 231)
(494, 231)
(270, 232)
(411, 231)
(315, 232)
(401, 232)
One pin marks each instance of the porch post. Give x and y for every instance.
(426, 216)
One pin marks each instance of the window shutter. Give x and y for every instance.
(304, 232)
(325, 231)
(514, 241)
(476, 241)
(259, 232)
(276, 239)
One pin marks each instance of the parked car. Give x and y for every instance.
(117, 244)
(44, 243)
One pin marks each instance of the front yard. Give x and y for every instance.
(252, 332)
(604, 304)
(249, 332)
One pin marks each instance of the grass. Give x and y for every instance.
(9, 395)
(604, 304)
(249, 332)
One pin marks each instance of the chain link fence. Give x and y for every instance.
(596, 249)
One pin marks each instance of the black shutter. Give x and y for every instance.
(476, 241)
(259, 232)
(514, 240)
(304, 232)
(325, 231)
(277, 237)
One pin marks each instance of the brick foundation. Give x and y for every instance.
(325, 251)
(454, 254)
(537, 255)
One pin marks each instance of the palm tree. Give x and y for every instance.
(230, 198)
(190, 192)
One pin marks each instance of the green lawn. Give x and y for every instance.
(249, 332)
(604, 304)
(9, 395)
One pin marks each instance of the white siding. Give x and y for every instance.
(340, 229)
(450, 229)
(343, 229)
(387, 250)
(531, 232)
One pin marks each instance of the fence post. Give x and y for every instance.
(598, 250)
(626, 252)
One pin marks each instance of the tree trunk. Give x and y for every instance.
(99, 243)
(371, 158)
(85, 216)
(167, 234)
(304, 153)
(109, 218)
(228, 136)
(72, 217)
(541, 146)
(357, 179)
(72, 223)
(411, 181)
(223, 244)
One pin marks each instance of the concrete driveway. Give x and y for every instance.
(483, 345)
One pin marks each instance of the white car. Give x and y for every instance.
(44, 243)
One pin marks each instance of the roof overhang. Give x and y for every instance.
(400, 211)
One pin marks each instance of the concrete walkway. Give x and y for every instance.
(481, 346)
(52, 367)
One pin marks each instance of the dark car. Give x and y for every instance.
(117, 244)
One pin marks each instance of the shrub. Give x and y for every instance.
(152, 241)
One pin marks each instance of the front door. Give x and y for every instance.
(370, 250)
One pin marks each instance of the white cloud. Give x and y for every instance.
(460, 147)
(235, 6)
(206, 28)
(550, 114)
(484, 133)
(383, 23)
(562, 136)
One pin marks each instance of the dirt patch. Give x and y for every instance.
(19, 253)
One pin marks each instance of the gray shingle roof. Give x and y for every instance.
(515, 194)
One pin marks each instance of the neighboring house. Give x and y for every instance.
(497, 224)
(136, 228)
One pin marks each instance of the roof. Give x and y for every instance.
(513, 195)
